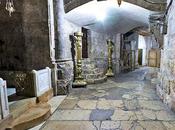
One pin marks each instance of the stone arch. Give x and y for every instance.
(147, 4)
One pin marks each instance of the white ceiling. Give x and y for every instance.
(117, 19)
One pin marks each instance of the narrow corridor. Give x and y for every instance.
(128, 102)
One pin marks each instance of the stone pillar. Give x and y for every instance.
(166, 87)
(63, 47)
(60, 44)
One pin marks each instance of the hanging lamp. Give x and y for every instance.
(9, 6)
(119, 2)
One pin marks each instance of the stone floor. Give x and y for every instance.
(127, 102)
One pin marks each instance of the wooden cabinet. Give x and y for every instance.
(154, 58)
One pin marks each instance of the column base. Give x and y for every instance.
(79, 83)
(109, 73)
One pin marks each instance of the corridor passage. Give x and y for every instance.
(127, 102)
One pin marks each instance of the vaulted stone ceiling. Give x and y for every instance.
(116, 19)
(153, 5)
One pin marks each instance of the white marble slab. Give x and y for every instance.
(3, 99)
(42, 81)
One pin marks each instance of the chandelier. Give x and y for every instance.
(119, 2)
(9, 6)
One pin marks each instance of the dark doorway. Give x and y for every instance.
(85, 43)
(140, 54)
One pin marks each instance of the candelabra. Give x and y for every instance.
(79, 80)
(110, 51)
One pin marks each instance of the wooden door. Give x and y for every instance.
(154, 58)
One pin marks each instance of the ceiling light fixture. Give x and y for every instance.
(119, 2)
(9, 6)
(100, 16)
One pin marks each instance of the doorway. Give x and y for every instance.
(85, 43)
(140, 55)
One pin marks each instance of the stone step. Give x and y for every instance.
(91, 71)
(96, 81)
(93, 76)
(27, 113)
(32, 117)
(88, 66)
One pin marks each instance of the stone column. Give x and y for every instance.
(60, 44)
(63, 47)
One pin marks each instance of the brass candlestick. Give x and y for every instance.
(110, 51)
(79, 80)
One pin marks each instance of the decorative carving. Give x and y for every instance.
(20, 81)
(24, 83)
(79, 80)
(110, 51)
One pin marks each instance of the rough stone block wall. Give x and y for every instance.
(98, 49)
(151, 43)
(36, 31)
(67, 52)
(166, 88)
(24, 37)
(68, 32)
(24, 41)
(11, 39)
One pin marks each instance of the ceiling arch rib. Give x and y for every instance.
(153, 5)
(116, 19)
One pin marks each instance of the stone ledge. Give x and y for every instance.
(97, 81)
